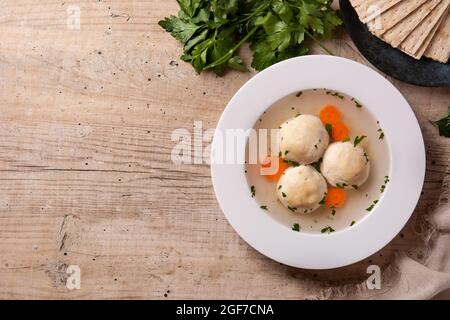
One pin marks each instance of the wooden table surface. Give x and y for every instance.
(85, 172)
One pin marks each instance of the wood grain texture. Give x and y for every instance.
(85, 172)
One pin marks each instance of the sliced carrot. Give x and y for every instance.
(269, 163)
(330, 114)
(339, 131)
(335, 197)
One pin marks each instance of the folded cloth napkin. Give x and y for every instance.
(406, 278)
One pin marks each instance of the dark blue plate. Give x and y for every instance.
(424, 72)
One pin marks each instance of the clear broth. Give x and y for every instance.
(360, 122)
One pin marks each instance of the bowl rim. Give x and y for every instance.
(407, 163)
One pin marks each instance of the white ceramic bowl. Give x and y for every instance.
(407, 163)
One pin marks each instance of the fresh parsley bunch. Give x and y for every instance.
(212, 31)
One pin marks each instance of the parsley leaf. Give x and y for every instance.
(317, 164)
(370, 208)
(324, 199)
(329, 129)
(327, 229)
(358, 140)
(179, 29)
(444, 125)
(189, 7)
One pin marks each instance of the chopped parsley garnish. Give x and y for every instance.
(327, 229)
(333, 212)
(381, 137)
(286, 152)
(341, 185)
(386, 181)
(283, 194)
(279, 187)
(335, 94)
(329, 128)
(264, 207)
(372, 205)
(346, 140)
(367, 157)
(293, 209)
(358, 140)
(324, 199)
(296, 227)
(317, 164)
(357, 104)
(353, 222)
(299, 94)
(354, 186)
(253, 191)
(293, 163)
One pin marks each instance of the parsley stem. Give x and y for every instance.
(319, 43)
(230, 53)
(258, 10)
